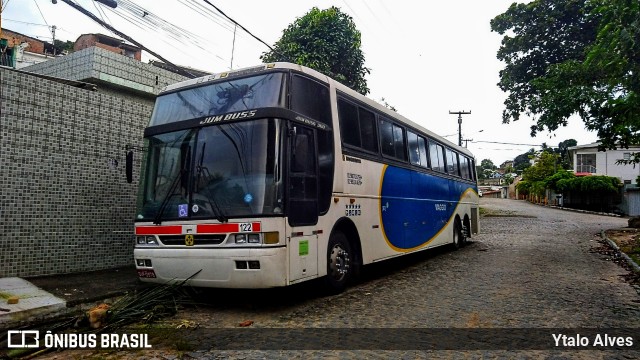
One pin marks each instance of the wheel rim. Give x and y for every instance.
(339, 262)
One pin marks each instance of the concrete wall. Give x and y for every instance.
(65, 205)
(108, 69)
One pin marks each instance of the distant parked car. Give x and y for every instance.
(479, 192)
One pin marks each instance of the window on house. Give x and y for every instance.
(586, 163)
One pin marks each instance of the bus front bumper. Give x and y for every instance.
(217, 268)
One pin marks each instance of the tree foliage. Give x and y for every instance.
(522, 161)
(327, 41)
(589, 184)
(560, 177)
(567, 57)
(487, 164)
(545, 166)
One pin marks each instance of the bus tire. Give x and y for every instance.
(466, 231)
(339, 263)
(457, 235)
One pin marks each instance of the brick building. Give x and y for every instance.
(112, 44)
(18, 50)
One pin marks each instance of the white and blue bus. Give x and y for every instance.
(274, 175)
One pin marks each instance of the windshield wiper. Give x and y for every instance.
(217, 211)
(158, 219)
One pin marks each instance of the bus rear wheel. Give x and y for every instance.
(339, 262)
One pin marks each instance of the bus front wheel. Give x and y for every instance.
(339, 263)
(457, 235)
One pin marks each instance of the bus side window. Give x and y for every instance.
(435, 153)
(311, 99)
(417, 149)
(452, 162)
(349, 124)
(392, 139)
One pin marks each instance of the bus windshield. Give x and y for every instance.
(220, 98)
(216, 172)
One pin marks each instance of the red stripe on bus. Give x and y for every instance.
(224, 228)
(217, 228)
(159, 230)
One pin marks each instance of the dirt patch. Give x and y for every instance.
(628, 240)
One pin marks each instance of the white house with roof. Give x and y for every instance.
(587, 160)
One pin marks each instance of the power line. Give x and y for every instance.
(506, 143)
(45, 20)
(24, 22)
(241, 27)
(126, 37)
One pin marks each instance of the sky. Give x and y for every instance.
(426, 58)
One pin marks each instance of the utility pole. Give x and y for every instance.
(460, 113)
(53, 34)
(466, 142)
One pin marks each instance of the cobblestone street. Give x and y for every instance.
(531, 267)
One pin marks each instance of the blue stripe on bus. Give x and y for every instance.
(415, 207)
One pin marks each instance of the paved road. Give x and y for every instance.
(532, 267)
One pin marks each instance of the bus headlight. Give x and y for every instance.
(146, 240)
(240, 238)
(269, 238)
(247, 238)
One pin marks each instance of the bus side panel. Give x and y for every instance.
(417, 209)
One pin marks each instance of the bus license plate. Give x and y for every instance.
(144, 273)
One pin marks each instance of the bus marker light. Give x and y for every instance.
(241, 238)
(254, 238)
(271, 237)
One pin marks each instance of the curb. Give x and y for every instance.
(583, 211)
(626, 257)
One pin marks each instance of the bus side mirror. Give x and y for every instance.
(129, 167)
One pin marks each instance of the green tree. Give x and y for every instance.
(327, 41)
(487, 164)
(522, 161)
(567, 57)
(64, 45)
(545, 166)
(563, 151)
(508, 179)
(552, 181)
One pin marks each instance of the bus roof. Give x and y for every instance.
(319, 76)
